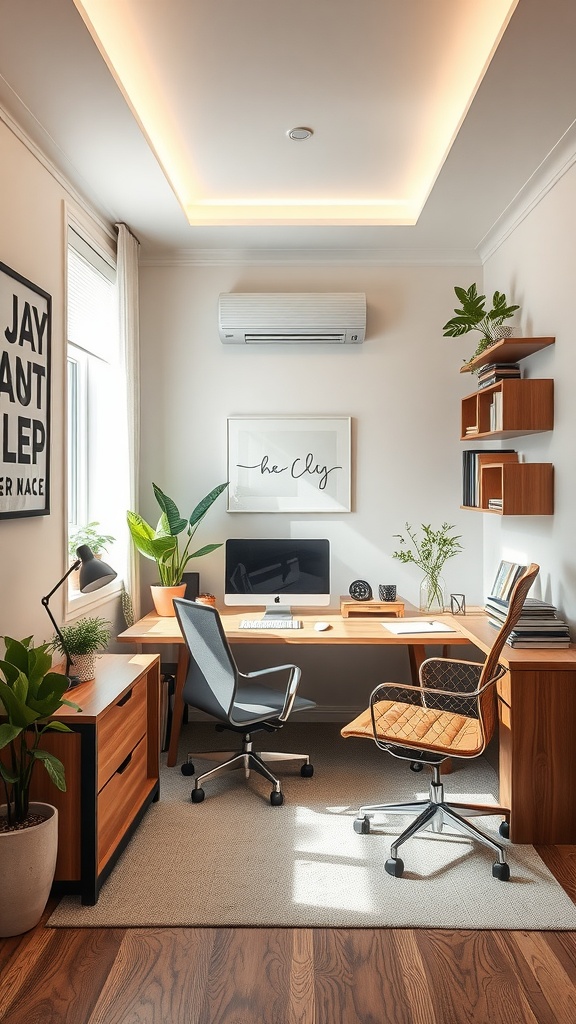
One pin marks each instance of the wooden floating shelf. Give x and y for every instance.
(507, 350)
(524, 488)
(527, 407)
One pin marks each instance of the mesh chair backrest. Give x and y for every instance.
(515, 605)
(211, 680)
(487, 702)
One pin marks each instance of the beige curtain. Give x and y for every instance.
(127, 271)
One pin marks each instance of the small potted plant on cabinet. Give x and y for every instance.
(81, 640)
(162, 546)
(30, 692)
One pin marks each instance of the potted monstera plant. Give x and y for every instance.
(472, 315)
(30, 692)
(162, 545)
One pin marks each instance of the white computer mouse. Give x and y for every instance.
(320, 626)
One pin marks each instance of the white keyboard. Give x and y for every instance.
(270, 624)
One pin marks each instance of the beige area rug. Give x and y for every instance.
(234, 860)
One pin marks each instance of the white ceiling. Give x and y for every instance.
(404, 119)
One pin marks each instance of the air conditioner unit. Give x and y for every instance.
(292, 318)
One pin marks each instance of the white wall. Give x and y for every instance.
(536, 267)
(402, 388)
(33, 552)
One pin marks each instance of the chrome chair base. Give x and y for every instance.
(433, 814)
(249, 760)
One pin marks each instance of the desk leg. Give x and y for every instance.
(178, 709)
(416, 654)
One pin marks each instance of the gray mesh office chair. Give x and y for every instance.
(452, 713)
(238, 701)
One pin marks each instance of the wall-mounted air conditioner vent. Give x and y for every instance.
(292, 318)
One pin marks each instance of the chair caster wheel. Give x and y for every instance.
(501, 871)
(307, 771)
(197, 795)
(362, 825)
(504, 829)
(416, 766)
(187, 768)
(276, 799)
(394, 866)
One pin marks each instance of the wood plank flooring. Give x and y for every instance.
(292, 976)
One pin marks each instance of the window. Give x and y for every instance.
(97, 442)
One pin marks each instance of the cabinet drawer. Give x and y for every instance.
(121, 727)
(120, 801)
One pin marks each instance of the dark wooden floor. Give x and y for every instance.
(292, 976)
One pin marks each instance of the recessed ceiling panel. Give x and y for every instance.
(217, 86)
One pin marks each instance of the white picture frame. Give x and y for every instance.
(289, 464)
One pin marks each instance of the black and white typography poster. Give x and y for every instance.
(25, 323)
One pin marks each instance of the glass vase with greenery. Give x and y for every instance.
(429, 552)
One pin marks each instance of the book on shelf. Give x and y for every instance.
(495, 503)
(471, 472)
(506, 576)
(487, 382)
(529, 645)
(496, 411)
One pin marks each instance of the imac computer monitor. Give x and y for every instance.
(277, 575)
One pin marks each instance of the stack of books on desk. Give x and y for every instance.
(538, 625)
(493, 372)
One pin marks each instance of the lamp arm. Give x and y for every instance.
(45, 600)
(75, 565)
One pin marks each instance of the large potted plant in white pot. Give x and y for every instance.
(30, 692)
(162, 545)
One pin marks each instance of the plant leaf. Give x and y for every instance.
(8, 732)
(203, 506)
(54, 767)
(176, 524)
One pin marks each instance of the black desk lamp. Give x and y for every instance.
(93, 575)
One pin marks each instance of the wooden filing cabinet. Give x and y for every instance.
(111, 760)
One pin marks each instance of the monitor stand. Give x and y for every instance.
(277, 611)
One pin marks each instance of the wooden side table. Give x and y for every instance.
(111, 761)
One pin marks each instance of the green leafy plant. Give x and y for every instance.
(30, 693)
(91, 535)
(161, 544)
(430, 553)
(85, 636)
(473, 316)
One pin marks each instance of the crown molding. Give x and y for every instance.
(554, 166)
(22, 135)
(313, 257)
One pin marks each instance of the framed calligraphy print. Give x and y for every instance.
(289, 464)
(25, 326)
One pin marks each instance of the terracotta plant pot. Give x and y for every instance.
(27, 866)
(163, 597)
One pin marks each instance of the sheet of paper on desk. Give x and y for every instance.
(418, 626)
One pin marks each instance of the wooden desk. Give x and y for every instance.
(159, 630)
(536, 697)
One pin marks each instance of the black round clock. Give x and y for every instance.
(360, 590)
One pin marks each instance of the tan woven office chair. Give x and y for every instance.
(452, 713)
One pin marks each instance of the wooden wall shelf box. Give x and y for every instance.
(527, 408)
(111, 760)
(524, 488)
(508, 350)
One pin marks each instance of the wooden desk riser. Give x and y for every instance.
(536, 697)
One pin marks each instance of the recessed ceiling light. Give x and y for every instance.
(298, 134)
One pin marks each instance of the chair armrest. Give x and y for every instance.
(291, 687)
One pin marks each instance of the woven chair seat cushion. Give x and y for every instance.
(411, 725)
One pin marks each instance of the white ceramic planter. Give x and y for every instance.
(27, 866)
